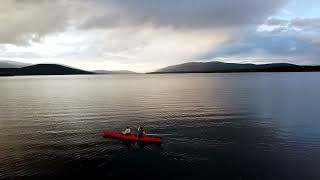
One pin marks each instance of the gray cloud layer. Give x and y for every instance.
(276, 22)
(303, 23)
(296, 41)
(182, 13)
(22, 20)
(313, 23)
(26, 20)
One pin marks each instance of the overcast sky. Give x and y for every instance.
(144, 35)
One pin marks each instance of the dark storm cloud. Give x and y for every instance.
(182, 13)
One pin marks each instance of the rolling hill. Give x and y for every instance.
(42, 69)
(216, 67)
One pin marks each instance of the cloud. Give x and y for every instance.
(312, 23)
(30, 20)
(306, 23)
(285, 45)
(23, 21)
(276, 22)
(312, 38)
(148, 48)
(168, 32)
(142, 34)
(305, 29)
(293, 40)
(181, 13)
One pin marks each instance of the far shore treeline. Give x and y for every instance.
(7, 69)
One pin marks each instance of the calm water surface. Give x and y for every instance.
(214, 126)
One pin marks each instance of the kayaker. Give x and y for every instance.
(141, 132)
(127, 131)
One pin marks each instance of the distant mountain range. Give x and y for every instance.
(12, 68)
(221, 67)
(114, 72)
(42, 69)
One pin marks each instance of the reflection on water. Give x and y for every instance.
(222, 126)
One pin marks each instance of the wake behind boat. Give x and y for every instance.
(131, 137)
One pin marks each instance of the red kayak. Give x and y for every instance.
(131, 137)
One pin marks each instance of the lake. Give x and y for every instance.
(213, 126)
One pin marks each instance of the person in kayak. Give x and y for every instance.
(127, 131)
(141, 132)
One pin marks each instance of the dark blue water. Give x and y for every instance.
(214, 126)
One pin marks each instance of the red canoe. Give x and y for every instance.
(131, 137)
